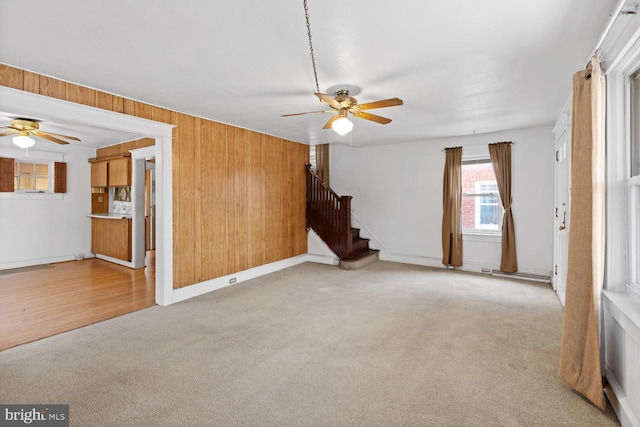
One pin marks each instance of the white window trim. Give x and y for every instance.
(33, 156)
(634, 212)
(620, 210)
(50, 176)
(473, 154)
(479, 194)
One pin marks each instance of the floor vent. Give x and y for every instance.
(23, 269)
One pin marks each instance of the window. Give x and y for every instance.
(481, 205)
(634, 181)
(41, 176)
(31, 176)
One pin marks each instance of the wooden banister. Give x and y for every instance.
(329, 214)
(330, 217)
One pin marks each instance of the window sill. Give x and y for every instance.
(31, 196)
(478, 236)
(481, 233)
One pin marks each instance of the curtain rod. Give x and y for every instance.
(479, 145)
(612, 19)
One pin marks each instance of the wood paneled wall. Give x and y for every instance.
(239, 196)
(114, 150)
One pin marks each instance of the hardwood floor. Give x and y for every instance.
(40, 303)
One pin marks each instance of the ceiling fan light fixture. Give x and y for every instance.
(23, 141)
(342, 126)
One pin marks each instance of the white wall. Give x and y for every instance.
(397, 199)
(52, 229)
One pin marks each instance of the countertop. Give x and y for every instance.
(109, 215)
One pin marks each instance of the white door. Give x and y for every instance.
(562, 209)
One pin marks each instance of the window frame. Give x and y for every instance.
(479, 203)
(34, 156)
(480, 157)
(633, 179)
(50, 175)
(621, 268)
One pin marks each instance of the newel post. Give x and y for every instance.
(309, 177)
(345, 221)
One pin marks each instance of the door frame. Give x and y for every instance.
(29, 104)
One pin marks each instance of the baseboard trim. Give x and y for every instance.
(201, 288)
(323, 259)
(32, 262)
(619, 402)
(536, 277)
(116, 260)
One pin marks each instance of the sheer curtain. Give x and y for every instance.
(500, 153)
(580, 349)
(451, 205)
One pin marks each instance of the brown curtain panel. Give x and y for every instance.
(451, 207)
(501, 159)
(580, 349)
(322, 162)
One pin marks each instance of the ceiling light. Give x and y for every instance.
(342, 126)
(23, 141)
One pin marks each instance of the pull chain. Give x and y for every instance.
(313, 59)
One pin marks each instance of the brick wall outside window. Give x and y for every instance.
(471, 173)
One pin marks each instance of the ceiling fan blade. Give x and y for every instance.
(392, 102)
(328, 99)
(309, 112)
(372, 117)
(40, 132)
(330, 122)
(49, 137)
(9, 132)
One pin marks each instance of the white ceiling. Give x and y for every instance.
(89, 135)
(461, 67)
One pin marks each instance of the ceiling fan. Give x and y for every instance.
(345, 104)
(26, 127)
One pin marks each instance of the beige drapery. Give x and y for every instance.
(451, 205)
(500, 153)
(580, 349)
(322, 162)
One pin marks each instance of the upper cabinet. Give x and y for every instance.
(119, 172)
(114, 172)
(99, 174)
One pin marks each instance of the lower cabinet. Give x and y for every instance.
(111, 237)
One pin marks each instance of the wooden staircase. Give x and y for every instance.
(329, 215)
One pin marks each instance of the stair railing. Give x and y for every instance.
(329, 214)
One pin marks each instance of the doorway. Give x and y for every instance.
(27, 104)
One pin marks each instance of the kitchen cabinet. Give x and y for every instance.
(119, 172)
(99, 174)
(111, 173)
(111, 237)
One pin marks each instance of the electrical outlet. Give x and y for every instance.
(232, 280)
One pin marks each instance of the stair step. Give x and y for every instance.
(360, 244)
(359, 260)
(355, 233)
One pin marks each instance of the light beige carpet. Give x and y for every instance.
(314, 345)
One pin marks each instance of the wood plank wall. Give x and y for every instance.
(238, 196)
